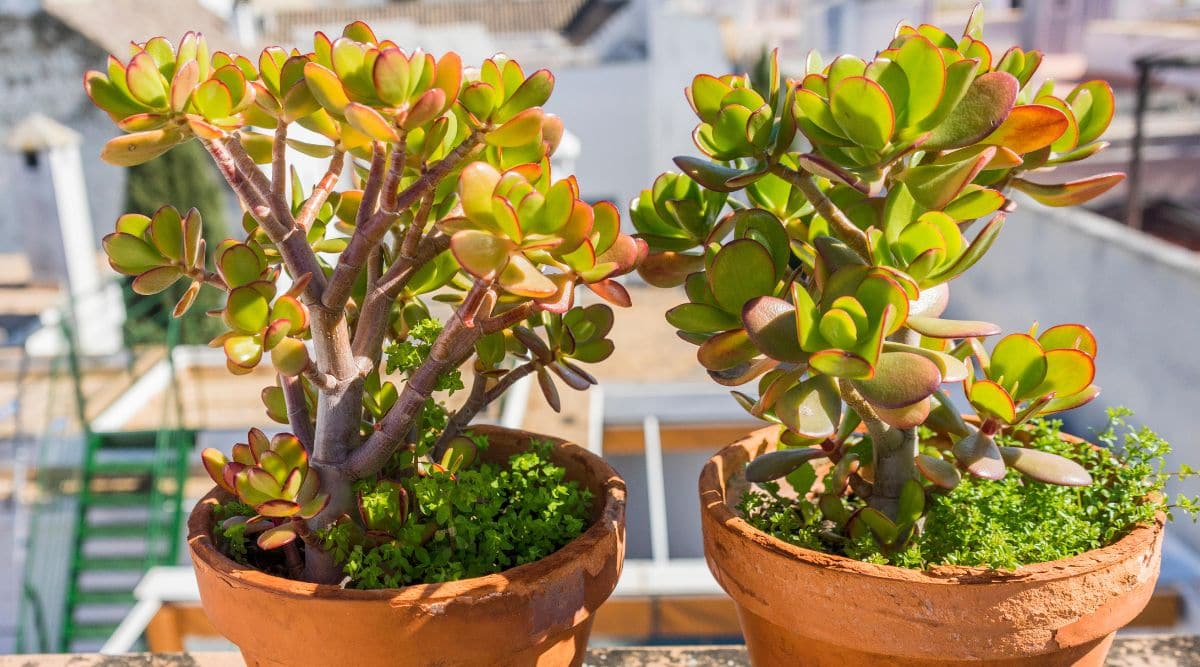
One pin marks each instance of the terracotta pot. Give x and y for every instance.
(803, 607)
(536, 614)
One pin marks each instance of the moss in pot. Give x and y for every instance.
(436, 187)
(815, 240)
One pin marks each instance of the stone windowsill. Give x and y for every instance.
(1134, 651)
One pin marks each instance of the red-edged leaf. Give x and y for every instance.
(276, 537)
(612, 291)
(1070, 193)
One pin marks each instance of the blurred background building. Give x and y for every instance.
(99, 420)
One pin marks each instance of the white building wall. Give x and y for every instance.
(1140, 295)
(41, 70)
(682, 45)
(631, 117)
(1112, 46)
(598, 104)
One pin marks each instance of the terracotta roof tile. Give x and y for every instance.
(113, 24)
(498, 16)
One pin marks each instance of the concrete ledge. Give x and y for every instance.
(1132, 651)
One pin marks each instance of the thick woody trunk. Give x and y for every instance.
(339, 412)
(895, 451)
(318, 565)
(337, 454)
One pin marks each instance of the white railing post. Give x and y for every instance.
(657, 490)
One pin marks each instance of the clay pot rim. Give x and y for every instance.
(713, 503)
(603, 529)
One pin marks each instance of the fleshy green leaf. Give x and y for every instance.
(390, 74)
(1093, 104)
(1070, 193)
(481, 254)
(771, 324)
(521, 277)
(909, 416)
(521, 129)
(1069, 337)
(131, 255)
(156, 280)
(1046, 467)
(134, 149)
(144, 82)
(901, 379)
(780, 463)
(841, 363)
(1018, 364)
(702, 318)
(939, 328)
(326, 88)
(740, 271)
(1029, 127)
(726, 350)
(982, 109)
(247, 309)
(279, 536)
(992, 400)
(936, 185)
(1067, 372)
(925, 71)
(942, 473)
(369, 121)
(290, 357)
(533, 92)
(863, 112)
(811, 409)
(978, 453)
(166, 232)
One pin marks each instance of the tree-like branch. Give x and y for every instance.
(321, 191)
(846, 229)
(449, 350)
(880, 432)
(346, 271)
(481, 396)
(209, 278)
(374, 267)
(373, 317)
(279, 205)
(374, 184)
(299, 419)
(508, 318)
(416, 229)
(243, 186)
(279, 176)
(391, 184)
(368, 233)
(322, 381)
(297, 255)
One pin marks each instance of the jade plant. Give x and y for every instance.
(436, 238)
(816, 237)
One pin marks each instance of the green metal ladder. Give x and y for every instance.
(154, 466)
(127, 516)
(124, 471)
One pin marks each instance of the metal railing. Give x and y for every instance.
(49, 527)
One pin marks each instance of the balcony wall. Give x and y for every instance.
(1140, 295)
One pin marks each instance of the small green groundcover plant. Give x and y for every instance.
(1008, 523)
(815, 241)
(437, 187)
(484, 519)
